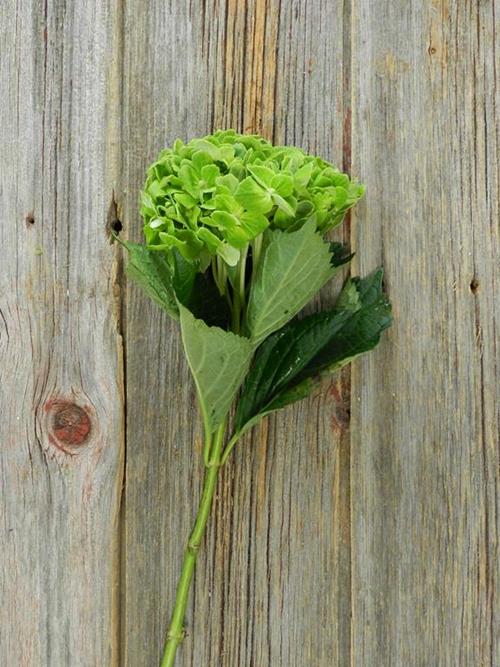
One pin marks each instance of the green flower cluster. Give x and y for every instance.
(214, 196)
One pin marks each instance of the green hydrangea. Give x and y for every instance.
(213, 196)
(234, 252)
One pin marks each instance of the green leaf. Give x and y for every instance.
(280, 358)
(254, 223)
(198, 291)
(219, 361)
(185, 199)
(289, 363)
(283, 184)
(184, 239)
(190, 180)
(229, 254)
(263, 175)
(151, 271)
(303, 175)
(227, 181)
(283, 205)
(253, 197)
(340, 254)
(200, 159)
(361, 332)
(292, 269)
(171, 279)
(239, 229)
(209, 173)
(231, 228)
(183, 276)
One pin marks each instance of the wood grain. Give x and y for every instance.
(424, 406)
(272, 581)
(358, 528)
(60, 347)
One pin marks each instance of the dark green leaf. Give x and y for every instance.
(361, 332)
(150, 269)
(340, 254)
(290, 361)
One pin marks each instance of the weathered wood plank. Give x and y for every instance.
(273, 579)
(60, 348)
(424, 428)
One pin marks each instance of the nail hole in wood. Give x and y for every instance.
(29, 219)
(113, 222)
(474, 285)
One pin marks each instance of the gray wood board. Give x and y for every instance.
(61, 393)
(424, 424)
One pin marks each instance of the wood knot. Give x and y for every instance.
(70, 424)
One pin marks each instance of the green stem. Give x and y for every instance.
(176, 630)
(229, 448)
(256, 250)
(207, 447)
(239, 293)
(236, 312)
(243, 271)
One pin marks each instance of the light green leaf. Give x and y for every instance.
(185, 199)
(292, 269)
(212, 241)
(227, 202)
(227, 181)
(263, 175)
(254, 198)
(224, 220)
(229, 254)
(232, 230)
(210, 173)
(201, 159)
(185, 241)
(283, 205)
(206, 147)
(254, 223)
(190, 180)
(340, 197)
(219, 361)
(283, 184)
(303, 175)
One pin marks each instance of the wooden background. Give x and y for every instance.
(358, 528)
